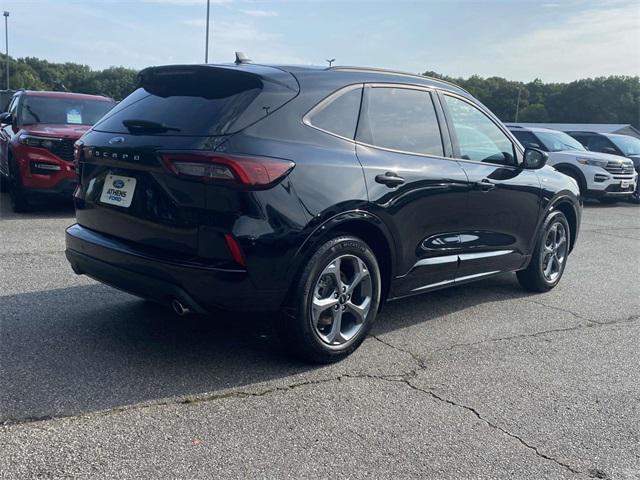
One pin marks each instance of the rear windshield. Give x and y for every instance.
(200, 101)
(37, 109)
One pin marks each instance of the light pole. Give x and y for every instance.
(331, 61)
(6, 43)
(206, 46)
(518, 104)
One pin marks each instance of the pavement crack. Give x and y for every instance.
(560, 309)
(494, 426)
(414, 356)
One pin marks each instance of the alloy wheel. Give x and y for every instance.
(342, 299)
(554, 252)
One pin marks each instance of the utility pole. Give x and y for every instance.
(6, 43)
(518, 104)
(206, 46)
(331, 61)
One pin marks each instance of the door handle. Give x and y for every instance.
(390, 179)
(485, 185)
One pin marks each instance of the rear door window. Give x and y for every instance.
(401, 119)
(201, 101)
(338, 114)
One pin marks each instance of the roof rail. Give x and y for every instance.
(395, 72)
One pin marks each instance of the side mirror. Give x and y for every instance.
(5, 118)
(534, 159)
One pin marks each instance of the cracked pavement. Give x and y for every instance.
(479, 381)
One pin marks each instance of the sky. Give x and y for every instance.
(554, 40)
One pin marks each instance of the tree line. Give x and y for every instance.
(612, 99)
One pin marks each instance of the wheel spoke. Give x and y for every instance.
(361, 272)
(320, 305)
(549, 268)
(359, 311)
(553, 232)
(336, 326)
(333, 269)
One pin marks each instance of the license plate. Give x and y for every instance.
(625, 184)
(118, 190)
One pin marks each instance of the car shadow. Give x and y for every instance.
(52, 208)
(87, 348)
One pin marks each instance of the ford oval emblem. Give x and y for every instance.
(118, 183)
(116, 140)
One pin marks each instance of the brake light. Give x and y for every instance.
(217, 167)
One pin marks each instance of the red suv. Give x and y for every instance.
(37, 133)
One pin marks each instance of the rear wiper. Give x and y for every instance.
(146, 126)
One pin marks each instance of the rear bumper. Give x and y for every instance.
(159, 277)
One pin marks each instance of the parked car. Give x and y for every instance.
(599, 175)
(615, 144)
(317, 192)
(37, 133)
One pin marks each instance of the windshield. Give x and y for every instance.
(199, 101)
(559, 141)
(628, 145)
(62, 111)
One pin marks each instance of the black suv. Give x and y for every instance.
(318, 192)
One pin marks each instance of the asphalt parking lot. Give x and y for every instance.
(481, 381)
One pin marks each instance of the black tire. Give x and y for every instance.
(296, 327)
(18, 194)
(578, 179)
(533, 278)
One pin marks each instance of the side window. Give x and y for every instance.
(13, 105)
(527, 139)
(401, 119)
(584, 140)
(598, 144)
(479, 138)
(340, 114)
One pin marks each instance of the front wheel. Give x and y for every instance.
(550, 257)
(334, 303)
(18, 195)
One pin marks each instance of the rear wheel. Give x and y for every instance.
(335, 301)
(550, 257)
(18, 194)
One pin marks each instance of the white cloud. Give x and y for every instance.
(589, 43)
(195, 22)
(260, 13)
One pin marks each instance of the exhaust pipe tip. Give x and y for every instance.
(179, 308)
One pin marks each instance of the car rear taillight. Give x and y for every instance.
(244, 170)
